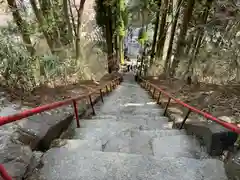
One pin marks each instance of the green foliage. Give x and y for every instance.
(142, 36)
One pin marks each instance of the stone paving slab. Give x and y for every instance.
(103, 133)
(159, 133)
(62, 164)
(127, 143)
(78, 144)
(177, 146)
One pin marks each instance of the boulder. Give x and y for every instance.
(14, 156)
(215, 137)
(232, 167)
(35, 163)
(38, 131)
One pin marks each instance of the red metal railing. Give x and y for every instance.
(8, 119)
(149, 86)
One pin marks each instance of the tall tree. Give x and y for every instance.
(22, 26)
(172, 35)
(42, 24)
(67, 20)
(199, 34)
(156, 26)
(162, 29)
(181, 38)
(104, 18)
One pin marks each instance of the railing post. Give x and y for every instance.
(159, 96)
(165, 110)
(76, 113)
(153, 95)
(185, 118)
(101, 94)
(91, 103)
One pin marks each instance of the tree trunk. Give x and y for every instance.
(41, 22)
(109, 40)
(173, 30)
(22, 25)
(199, 35)
(67, 19)
(181, 39)
(162, 30)
(189, 45)
(155, 33)
(79, 23)
(61, 27)
(46, 8)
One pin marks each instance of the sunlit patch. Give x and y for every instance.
(132, 104)
(168, 125)
(150, 103)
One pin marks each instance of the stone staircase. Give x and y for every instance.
(128, 139)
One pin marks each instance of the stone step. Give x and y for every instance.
(137, 141)
(103, 117)
(127, 117)
(71, 144)
(103, 133)
(159, 133)
(95, 123)
(142, 116)
(143, 124)
(62, 164)
(177, 146)
(126, 142)
(132, 112)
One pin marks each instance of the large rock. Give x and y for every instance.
(14, 156)
(35, 163)
(215, 137)
(232, 167)
(38, 131)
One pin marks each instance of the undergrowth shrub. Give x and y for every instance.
(18, 69)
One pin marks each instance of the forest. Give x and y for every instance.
(62, 42)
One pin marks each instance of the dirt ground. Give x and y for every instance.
(44, 94)
(220, 101)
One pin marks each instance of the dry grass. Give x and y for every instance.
(45, 94)
(218, 100)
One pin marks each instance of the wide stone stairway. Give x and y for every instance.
(129, 139)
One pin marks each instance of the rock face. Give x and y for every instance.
(38, 131)
(14, 156)
(232, 167)
(18, 140)
(215, 137)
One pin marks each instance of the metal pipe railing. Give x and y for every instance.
(30, 112)
(230, 126)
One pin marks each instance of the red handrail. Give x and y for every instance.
(30, 112)
(230, 126)
(4, 174)
(33, 111)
